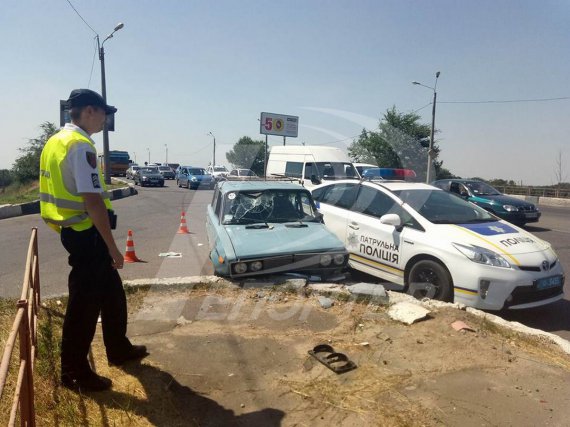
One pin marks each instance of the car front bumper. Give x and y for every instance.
(507, 288)
(307, 263)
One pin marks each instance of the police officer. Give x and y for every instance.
(74, 202)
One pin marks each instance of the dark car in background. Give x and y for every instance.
(146, 176)
(166, 172)
(194, 177)
(509, 208)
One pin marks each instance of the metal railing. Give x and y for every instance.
(25, 328)
(562, 193)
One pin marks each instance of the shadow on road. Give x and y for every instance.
(550, 318)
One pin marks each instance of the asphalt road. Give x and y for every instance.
(154, 216)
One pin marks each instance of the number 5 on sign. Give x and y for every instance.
(268, 123)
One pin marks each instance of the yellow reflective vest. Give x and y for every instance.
(58, 205)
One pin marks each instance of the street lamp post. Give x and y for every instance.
(430, 149)
(214, 155)
(101, 49)
(148, 150)
(166, 148)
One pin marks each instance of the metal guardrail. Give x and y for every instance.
(25, 328)
(562, 193)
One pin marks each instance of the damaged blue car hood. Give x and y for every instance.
(281, 239)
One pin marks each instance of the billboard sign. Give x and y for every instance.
(279, 124)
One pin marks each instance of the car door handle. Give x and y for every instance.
(354, 225)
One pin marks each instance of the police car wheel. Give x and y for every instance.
(430, 279)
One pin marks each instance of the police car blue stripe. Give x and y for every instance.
(489, 228)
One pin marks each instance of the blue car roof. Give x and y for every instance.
(228, 186)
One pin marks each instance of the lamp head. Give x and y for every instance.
(119, 26)
(437, 74)
(416, 83)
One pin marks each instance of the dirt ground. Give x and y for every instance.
(239, 357)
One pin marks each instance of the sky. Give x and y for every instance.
(179, 70)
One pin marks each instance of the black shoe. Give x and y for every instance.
(136, 352)
(89, 381)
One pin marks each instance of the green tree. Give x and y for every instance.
(401, 141)
(5, 179)
(27, 167)
(248, 154)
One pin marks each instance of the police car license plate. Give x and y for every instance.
(531, 215)
(548, 282)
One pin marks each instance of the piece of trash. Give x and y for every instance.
(170, 254)
(231, 375)
(200, 244)
(99, 319)
(407, 312)
(459, 325)
(58, 302)
(336, 362)
(364, 343)
(242, 405)
(182, 321)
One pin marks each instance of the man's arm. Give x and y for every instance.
(97, 211)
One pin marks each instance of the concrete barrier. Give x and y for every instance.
(9, 211)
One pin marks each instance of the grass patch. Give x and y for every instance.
(17, 193)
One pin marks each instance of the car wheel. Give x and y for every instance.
(428, 278)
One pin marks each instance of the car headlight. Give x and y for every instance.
(240, 268)
(510, 208)
(326, 260)
(193, 179)
(338, 259)
(482, 255)
(255, 266)
(144, 178)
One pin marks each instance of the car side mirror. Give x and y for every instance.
(315, 180)
(392, 219)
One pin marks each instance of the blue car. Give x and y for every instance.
(262, 227)
(193, 177)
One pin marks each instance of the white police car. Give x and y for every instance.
(431, 243)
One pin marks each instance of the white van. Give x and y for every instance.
(311, 164)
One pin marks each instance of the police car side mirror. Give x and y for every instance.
(392, 219)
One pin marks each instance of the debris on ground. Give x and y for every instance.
(460, 325)
(407, 312)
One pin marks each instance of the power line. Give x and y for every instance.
(505, 101)
(95, 32)
(92, 63)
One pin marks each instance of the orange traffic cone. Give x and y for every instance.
(130, 255)
(183, 229)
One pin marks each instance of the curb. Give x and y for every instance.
(9, 211)
(340, 291)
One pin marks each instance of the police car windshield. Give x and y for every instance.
(441, 207)
(482, 189)
(149, 170)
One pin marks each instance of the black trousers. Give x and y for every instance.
(94, 288)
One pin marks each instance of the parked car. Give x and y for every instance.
(266, 227)
(131, 171)
(166, 172)
(218, 171)
(192, 177)
(432, 243)
(242, 173)
(148, 176)
(509, 208)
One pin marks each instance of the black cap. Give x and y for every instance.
(85, 97)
